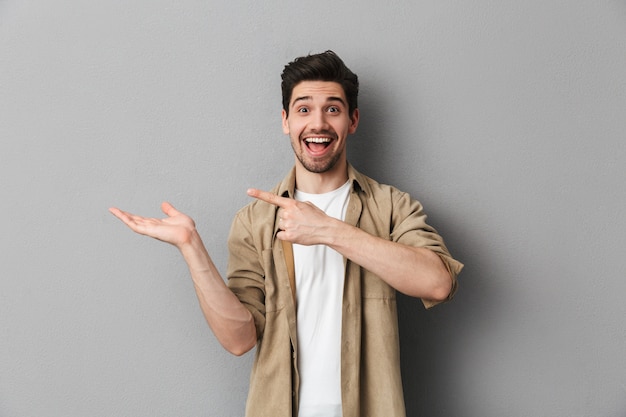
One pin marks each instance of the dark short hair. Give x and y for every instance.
(326, 66)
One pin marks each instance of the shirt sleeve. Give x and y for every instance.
(409, 227)
(245, 271)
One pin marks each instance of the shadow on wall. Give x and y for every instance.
(429, 339)
(372, 147)
(435, 343)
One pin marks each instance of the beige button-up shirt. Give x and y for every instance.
(257, 273)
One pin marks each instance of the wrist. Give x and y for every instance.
(337, 230)
(191, 243)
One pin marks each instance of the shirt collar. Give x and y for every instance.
(359, 182)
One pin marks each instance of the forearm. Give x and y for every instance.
(229, 320)
(418, 272)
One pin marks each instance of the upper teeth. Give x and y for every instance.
(317, 140)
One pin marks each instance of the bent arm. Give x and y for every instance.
(229, 320)
(418, 272)
(412, 270)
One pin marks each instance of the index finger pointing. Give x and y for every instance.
(268, 197)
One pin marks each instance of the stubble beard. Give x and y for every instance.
(317, 167)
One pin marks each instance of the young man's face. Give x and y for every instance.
(319, 124)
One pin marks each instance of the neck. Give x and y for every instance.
(319, 183)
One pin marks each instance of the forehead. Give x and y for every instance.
(318, 91)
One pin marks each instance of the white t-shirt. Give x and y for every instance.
(320, 273)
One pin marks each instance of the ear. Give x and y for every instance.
(285, 124)
(354, 121)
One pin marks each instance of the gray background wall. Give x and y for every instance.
(504, 118)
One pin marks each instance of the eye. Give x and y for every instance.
(303, 110)
(333, 109)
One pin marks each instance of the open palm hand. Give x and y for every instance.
(176, 228)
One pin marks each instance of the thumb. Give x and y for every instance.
(168, 209)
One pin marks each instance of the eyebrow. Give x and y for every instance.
(329, 99)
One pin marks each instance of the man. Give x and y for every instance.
(328, 246)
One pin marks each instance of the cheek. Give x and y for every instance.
(293, 128)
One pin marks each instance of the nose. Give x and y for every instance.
(319, 122)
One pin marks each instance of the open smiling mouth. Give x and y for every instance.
(317, 145)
